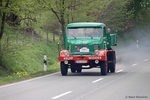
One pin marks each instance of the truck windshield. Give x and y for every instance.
(84, 32)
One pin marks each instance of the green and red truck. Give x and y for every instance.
(88, 44)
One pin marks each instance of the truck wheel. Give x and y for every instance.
(112, 67)
(72, 67)
(73, 70)
(103, 66)
(112, 61)
(64, 69)
(108, 69)
(79, 69)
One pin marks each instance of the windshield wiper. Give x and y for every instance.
(73, 36)
(90, 35)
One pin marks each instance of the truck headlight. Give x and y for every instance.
(66, 53)
(96, 52)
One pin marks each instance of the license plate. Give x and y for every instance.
(81, 61)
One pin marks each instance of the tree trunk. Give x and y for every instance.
(53, 37)
(32, 37)
(3, 19)
(62, 28)
(2, 25)
(61, 19)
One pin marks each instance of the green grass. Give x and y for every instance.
(23, 75)
(26, 62)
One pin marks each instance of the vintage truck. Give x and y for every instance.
(88, 44)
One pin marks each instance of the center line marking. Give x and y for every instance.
(97, 80)
(61, 95)
(146, 60)
(134, 64)
(119, 71)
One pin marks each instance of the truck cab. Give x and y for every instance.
(88, 44)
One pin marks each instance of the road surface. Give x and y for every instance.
(130, 82)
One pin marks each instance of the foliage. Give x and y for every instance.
(51, 16)
(14, 15)
(67, 11)
(17, 12)
(138, 6)
(117, 16)
(26, 62)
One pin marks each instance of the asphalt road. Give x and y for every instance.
(130, 82)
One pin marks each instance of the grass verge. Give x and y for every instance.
(26, 62)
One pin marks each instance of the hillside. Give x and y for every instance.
(27, 61)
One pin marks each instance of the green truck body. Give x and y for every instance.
(88, 44)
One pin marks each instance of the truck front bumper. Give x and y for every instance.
(82, 59)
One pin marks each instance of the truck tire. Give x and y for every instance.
(72, 67)
(73, 70)
(112, 62)
(103, 66)
(64, 69)
(111, 67)
(79, 69)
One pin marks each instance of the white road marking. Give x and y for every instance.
(134, 64)
(97, 80)
(105, 85)
(119, 71)
(56, 97)
(146, 59)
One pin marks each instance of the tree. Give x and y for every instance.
(12, 14)
(117, 16)
(60, 9)
(138, 6)
(67, 11)
(3, 6)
